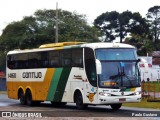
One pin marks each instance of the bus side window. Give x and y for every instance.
(10, 62)
(66, 58)
(77, 57)
(54, 60)
(44, 62)
(34, 60)
(90, 66)
(22, 61)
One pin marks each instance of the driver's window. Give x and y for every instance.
(90, 66)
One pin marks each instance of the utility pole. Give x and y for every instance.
(56, 31)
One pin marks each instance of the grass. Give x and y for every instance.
(144, 104)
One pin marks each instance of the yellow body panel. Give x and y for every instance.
(133, 89)
(39, 89)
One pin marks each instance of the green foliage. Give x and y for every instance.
(153, 16)
(38, 29)
(147, 39)
(114, 24)
(2, 61)
(143, 44)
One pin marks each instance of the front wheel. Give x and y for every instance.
(79, 101)
(116, 106)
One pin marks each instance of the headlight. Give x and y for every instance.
(108, 94)
(137, 93)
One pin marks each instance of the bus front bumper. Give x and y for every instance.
(119, 99)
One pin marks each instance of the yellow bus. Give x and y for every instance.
(75, 72)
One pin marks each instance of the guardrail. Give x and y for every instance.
(151, 91)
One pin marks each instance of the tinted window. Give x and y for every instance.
(54, 59)
(46, 59)
(66, 58)
(90, 66)
(18, 61)
(77, 57)
(34, 60)
(115, 54)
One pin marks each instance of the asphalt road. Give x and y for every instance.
(70, 110)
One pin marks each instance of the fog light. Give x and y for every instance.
(138, 98)
(104, 94)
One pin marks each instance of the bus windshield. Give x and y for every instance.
(119, 68)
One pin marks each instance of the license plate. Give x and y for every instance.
(122, 99)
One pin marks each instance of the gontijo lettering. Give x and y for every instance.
(32, 74)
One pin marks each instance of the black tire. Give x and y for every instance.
(116, 106)
(79, 101)
(22, 98)
(36, 103)
(58, 104)
(29, 100)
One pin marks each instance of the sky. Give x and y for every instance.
(15, 10)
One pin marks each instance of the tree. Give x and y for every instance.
(107, 22)
(32, 31)
(39, 29)
(2, 61)
(140, 36)
(143, 44)
(114, 24)
(153, 16)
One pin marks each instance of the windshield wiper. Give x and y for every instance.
(117, 75)
(121, 74)
(114, 76)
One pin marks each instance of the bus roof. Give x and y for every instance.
(65, 45)
(107, 45)
(61, 44)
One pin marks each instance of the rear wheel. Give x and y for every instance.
(29, 98)
(79, 101)
(116, 106)
(22, 97)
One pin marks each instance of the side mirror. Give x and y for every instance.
(98, 67)
(139, 60)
